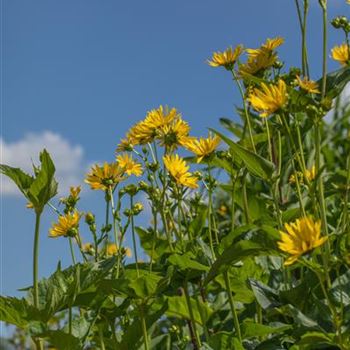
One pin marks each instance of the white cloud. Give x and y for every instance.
(68, 159)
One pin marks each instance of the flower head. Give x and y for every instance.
(308, 85)
(178, 169)
(111, 249)
(105, 176)
(261, 58)
(202, 147)
(146, 130)
(300, 237)
(88, 248)
(341, 54)
(66, 226)
(125, 145)
(227, 58)
(269, 98)
(127, 163)
(174, 134)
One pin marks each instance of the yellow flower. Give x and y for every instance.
(174, 134)
(261, 58)
(75, 191)
(88, 248)
(341, 54)
(66, 226)
(300, 237)
(125, 145)
(127, 163)
(178, 169)
(202, 147)
(311, 173)
(308, 85)
(105, 176)
(227, 58)
(145, 131)
(269, 98)
(111, 249)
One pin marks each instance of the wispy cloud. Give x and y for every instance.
(68, 158)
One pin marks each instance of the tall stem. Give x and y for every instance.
(144, 328)
(38, 342)
(232, 306)
(247, 117)
(190, 310)
(36, 258)
(133, 236)
(323, 4)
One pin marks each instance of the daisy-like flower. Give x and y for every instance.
(125, 145)
(105, 176)
(73, 196)
(66, 226)
(127, 163)
(146, 130)
(178, 169)
(174, 134)
(269, 46)
(227, 58)
(341, 54)
(111, 249)
(300, 237)
(308, 85)
(261, 58)
(202, 147)
(269, 98)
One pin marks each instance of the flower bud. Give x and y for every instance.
(137, 208)
(90, 218)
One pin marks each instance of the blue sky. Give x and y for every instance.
(77, 74)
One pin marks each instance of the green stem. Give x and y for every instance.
(72, 250)
(102, 344)
(190, 310)
(35, 259)
(232, 306)
(144, 328)
(38, 342)
(245, 198)
(247, 117)
(323, 4)
(133, 236)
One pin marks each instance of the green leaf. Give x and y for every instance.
(154, 248)
(61, 340)
(336, 82)
(17, 312)
(251, 329)
(44, 186)
(134, 333)
(265, 296)
(177, 307)
(233, 254)
(19, 177)
(316, 339)
(198, 222)
(225, 341)
(256, 164)
(186, 264)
